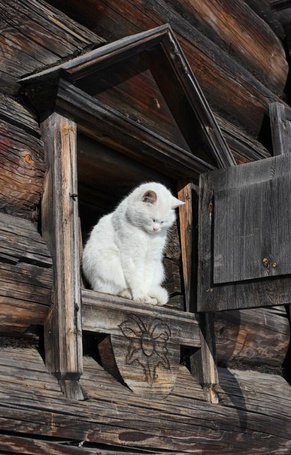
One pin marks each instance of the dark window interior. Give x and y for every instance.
(105, 176)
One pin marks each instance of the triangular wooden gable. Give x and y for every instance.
(73, 84)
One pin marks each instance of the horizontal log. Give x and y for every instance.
(229, 88)
(103, 313)
(21, 159)
(25, 275)
(253, 417)
(254, 337)
(33, 35)
(264, 9)
(241, 33)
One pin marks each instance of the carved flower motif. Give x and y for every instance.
(147, 344)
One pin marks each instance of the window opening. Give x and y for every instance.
(177, 144)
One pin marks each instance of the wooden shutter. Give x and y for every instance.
(244, 236)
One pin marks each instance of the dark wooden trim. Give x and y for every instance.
(158, 43)
(128, 137)
(280, 118)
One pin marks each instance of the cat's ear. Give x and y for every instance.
(150, 196)
(176, 203)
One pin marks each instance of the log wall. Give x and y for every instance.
(237, 54)
(230, 88)
(25, 275)
(253, 416)
(21, 158)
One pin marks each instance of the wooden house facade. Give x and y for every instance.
(97, 97)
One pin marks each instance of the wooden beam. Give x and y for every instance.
(103, 313)
(280, 118)
(126, 136)
(63, 331)
(188, 233)
(203, 362)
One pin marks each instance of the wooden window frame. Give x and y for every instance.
(64, 108)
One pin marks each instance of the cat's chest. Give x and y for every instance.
(141, 240)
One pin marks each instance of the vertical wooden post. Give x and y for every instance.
(203, 363)
(188, 234)
(60, 228)
(280, 120)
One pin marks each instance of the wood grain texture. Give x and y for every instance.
(229, 88)
(33, 35)
(252, 404)
(203, 363)
(21, 159)
(145, 357)
(25, 275)
(280, 118)
(264, 9)
(104, 313)
(117, 131)
(250, 241)
(189, 106)
(242, 33)
(254, 338)
(251, 293)
(63, 327)
(188, 233)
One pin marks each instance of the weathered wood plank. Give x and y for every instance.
(189, 106)
(243, 146)
(29, 446)
(265, 10)
(103, 313)
(63, 332)
(34, 34)
(258, 338)
(21, 159)
(25, 275)
(251, 408)
(248, 293)
(228, 86)
(241, 33)
(124, 135)
(187, 235)
(256, 244)
(203, 363)
(280, 118)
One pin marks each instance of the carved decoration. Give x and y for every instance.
(147, 345)
(145, 356)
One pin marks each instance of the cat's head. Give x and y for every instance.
(152, 207)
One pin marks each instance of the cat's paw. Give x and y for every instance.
(160, 295)
(147, 299)
(151, 300)
(126, 294)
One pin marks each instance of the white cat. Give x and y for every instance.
(123, 255)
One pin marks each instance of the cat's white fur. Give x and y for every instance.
(123, 255)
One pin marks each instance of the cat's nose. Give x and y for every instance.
(155, 228)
